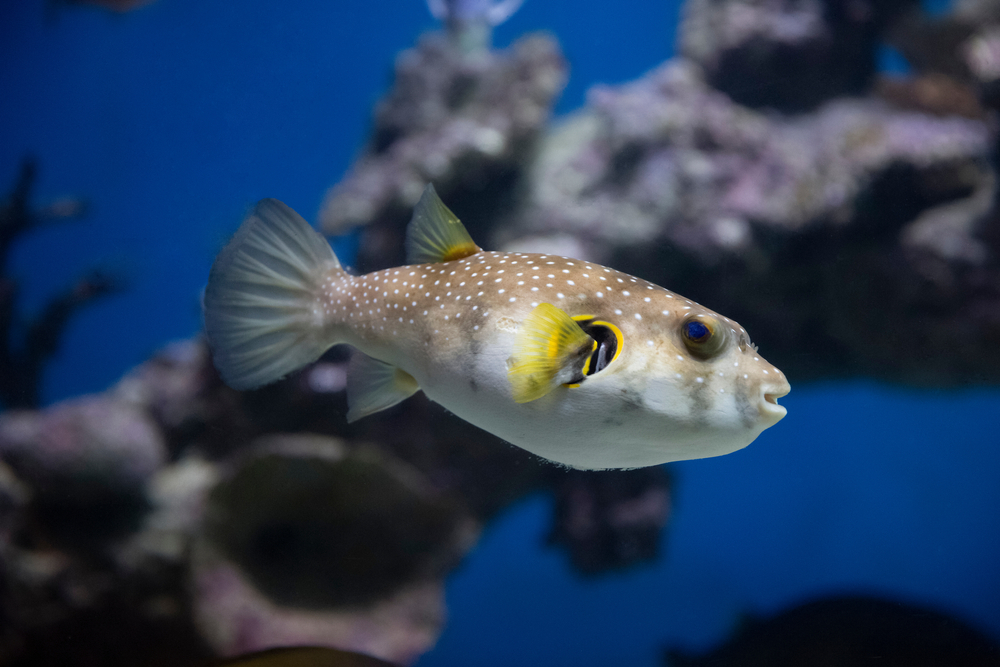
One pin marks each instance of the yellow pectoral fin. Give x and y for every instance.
(435, 234)
(550, 349)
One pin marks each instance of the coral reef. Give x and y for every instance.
(307, 543)
(469, 23)
(850, 222)
(787, 54)
(820, 233)
(463, 122)
(237, 521)
(21, 365)
(851, 630)
(847, 219)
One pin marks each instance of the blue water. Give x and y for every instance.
(173, 119)
(858, 489)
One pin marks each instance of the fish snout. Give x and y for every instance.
(769, 395)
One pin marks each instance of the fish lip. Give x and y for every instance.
(769, 399)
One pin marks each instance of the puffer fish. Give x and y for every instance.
(575, 362)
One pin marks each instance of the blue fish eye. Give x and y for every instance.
(696, 332)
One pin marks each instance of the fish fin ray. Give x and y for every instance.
(374, 385)
(550, 349)
(263, 303)
(435, 234)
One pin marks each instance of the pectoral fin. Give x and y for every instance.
(374, 385)
(550, 349)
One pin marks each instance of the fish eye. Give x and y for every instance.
(696, 332)
(703, 336)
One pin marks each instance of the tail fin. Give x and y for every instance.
(263, 304)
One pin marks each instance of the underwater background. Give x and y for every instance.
(172, 119)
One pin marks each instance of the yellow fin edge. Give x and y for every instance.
(435, 234)
(549, 349)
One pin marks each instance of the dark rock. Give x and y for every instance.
(611, 519)
(791, 55)
(851, 631)
(316, 531)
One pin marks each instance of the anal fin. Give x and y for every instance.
(374, 385)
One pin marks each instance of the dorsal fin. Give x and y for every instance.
(435, 234)
(550, 349)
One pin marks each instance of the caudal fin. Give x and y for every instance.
(264, 313)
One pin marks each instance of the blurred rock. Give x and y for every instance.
(669, 160)
(611, 519)
(790, 55)
(820, 233)
(87, 461)
(851, 631)
(308, 544)
(463, 123)
(934, 93)
(93, 440)
(854, 231)
(14, 495)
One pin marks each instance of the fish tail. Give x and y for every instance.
(264, 303)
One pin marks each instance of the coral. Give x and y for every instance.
(309, 543)
(669, 159)
(858, 236)
(470, 23)
(315, 527)
(21, 369)
(791, 55)
(462, 123)
(820, 231)
(236, 521)
(87, 461)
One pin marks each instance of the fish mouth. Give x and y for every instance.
(769, 405)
